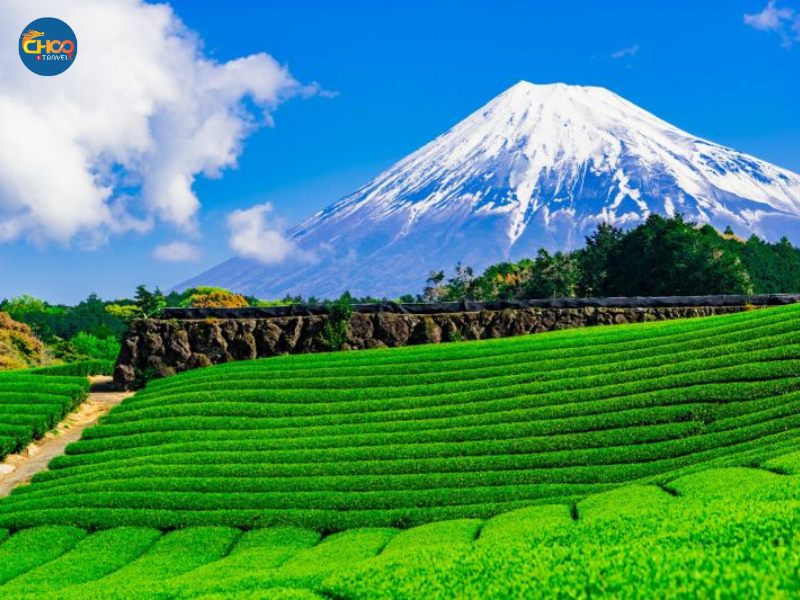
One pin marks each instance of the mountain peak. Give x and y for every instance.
(574, 103)
(541, 90)
(540, 165)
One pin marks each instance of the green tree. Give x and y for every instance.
(173, 299)
(124, 312)
(149, 302)
(665, 257)
(593, 260)
(334, 332)
(95, 347)
(662, 256)
(552, 275)
(54, 322)
(434, 290)
(460, 287)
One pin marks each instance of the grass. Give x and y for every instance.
(403, 437)
(30, 405)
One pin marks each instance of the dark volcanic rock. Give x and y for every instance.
(160, 348)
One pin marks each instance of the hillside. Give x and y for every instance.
(407, 436)
(657, 459)
(19, 348)
(539, 166)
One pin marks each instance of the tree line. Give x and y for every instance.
(661, 257)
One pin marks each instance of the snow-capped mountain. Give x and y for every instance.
(538, 166)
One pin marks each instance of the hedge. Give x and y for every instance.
(84, 368)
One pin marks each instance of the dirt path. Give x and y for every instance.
(18, 469)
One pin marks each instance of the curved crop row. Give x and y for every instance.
(699, 540)
(559, 374)
(30, 405)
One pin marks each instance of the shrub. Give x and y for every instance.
(217, 299)
(95, 347)
(84, 368)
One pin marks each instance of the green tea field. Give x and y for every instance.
(658, 459)
(31, 404)
(727, 533)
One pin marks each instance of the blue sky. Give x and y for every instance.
(404, 72)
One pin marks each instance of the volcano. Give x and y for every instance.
(539, 166)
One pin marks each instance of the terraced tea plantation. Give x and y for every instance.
(31, 404)
(406, 436)
(729, 533)
(639, 460)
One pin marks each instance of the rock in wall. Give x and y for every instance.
(161, 347)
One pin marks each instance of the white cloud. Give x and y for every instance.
(630, 51)
(783, 21)
(141, 109)
(771, 18)
(254, 235)
(177, 252)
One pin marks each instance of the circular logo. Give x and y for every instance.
(48, 46)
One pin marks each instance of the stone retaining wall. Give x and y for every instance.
(163, 347)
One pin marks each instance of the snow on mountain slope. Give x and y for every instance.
(538, 166)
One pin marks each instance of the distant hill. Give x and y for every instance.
(538, 166)
(19, 348)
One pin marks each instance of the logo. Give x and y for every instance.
(48, 46)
